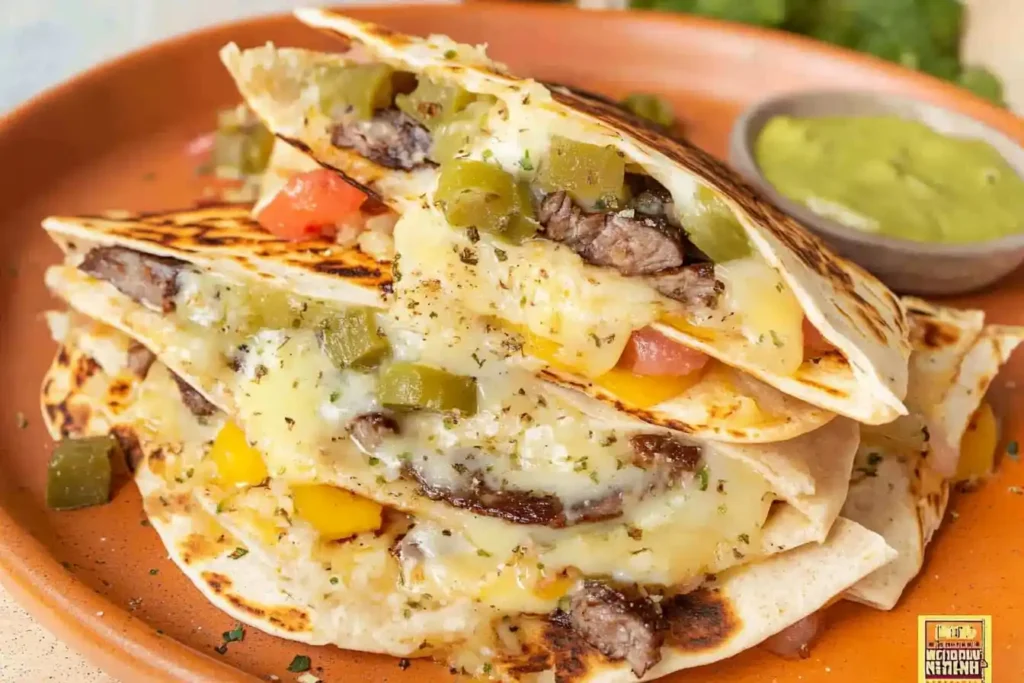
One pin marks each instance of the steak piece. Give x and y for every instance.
(693, 285)
(517, 506)
(148, 279)
(620, 626)
(632, 244)
(666, 455)
(368, 430)
(193, 400)
(391, 138)
(140, 359)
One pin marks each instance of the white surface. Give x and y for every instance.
(42, 42)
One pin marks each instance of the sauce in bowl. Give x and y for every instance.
(892, 176)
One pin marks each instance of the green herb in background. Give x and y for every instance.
(919, 34)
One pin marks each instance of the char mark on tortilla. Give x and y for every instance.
(391, 139)
(193, 400)
(148, 279)
(621, 624)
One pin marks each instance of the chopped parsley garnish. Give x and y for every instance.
(300, 664)
(525, 162)
(487, 154)
(744, 538)
(473, 234)
(487, 668)
(238, 553)
(335, 395)
(593, 476)
(235, 635)
(722, 509)
(703, 476)
(482, 553)
(374, 461)
(450, 54)
(479, 363)
(334, 580)
(775, 339)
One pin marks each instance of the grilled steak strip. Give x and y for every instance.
(368, 430)
(632, 244)
(694, 285)
(148, 279)
(193, 400)
(140, 359)
(666, 455)
(391, 139)
(518, 507)
(620, 625)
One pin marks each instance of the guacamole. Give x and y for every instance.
(893, 177)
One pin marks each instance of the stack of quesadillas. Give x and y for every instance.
(588, 406)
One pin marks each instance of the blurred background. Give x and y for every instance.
(973, 42)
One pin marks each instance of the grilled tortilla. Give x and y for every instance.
(899, 489)
(559, 289)
(253, 554)
(535, 465)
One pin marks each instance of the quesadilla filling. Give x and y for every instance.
(403, 584)
(440, 423)
(519, 187)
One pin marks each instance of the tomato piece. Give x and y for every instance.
(649, 352)
(814, 343)
(310, 205)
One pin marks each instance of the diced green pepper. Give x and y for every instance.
(353, 339)
(522, 225)
(593, 176)
(476, 194)
(410, 386)
(241, 143)
(453, 135)
(359, 88)
(432, 103)
(714, 229)
(650, 107)
(79, 472)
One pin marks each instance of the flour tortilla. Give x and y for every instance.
(857, 314)
(283, 587)
(274, 587)
(226, 240)
(809, 473)
(896, 492)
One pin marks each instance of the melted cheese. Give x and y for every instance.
(537, 286)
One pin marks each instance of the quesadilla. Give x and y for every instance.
(904, 470)
(632, 265)
(269, 554)
(437, 423)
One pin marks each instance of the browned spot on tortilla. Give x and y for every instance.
(229, 232)
(118, 391)
(85, 367)
(933, 334)
(699, 620)
(549, 644)
(823, 388)
(289, 619)
(218, 583)
(77, 416)
(198, 547)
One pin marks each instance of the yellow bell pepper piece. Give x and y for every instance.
(642, 391)
(336, 513)
(978, 445)
(237, 462)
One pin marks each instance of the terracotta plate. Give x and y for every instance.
(114, 138)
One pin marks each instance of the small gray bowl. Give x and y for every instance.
(904, 265)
